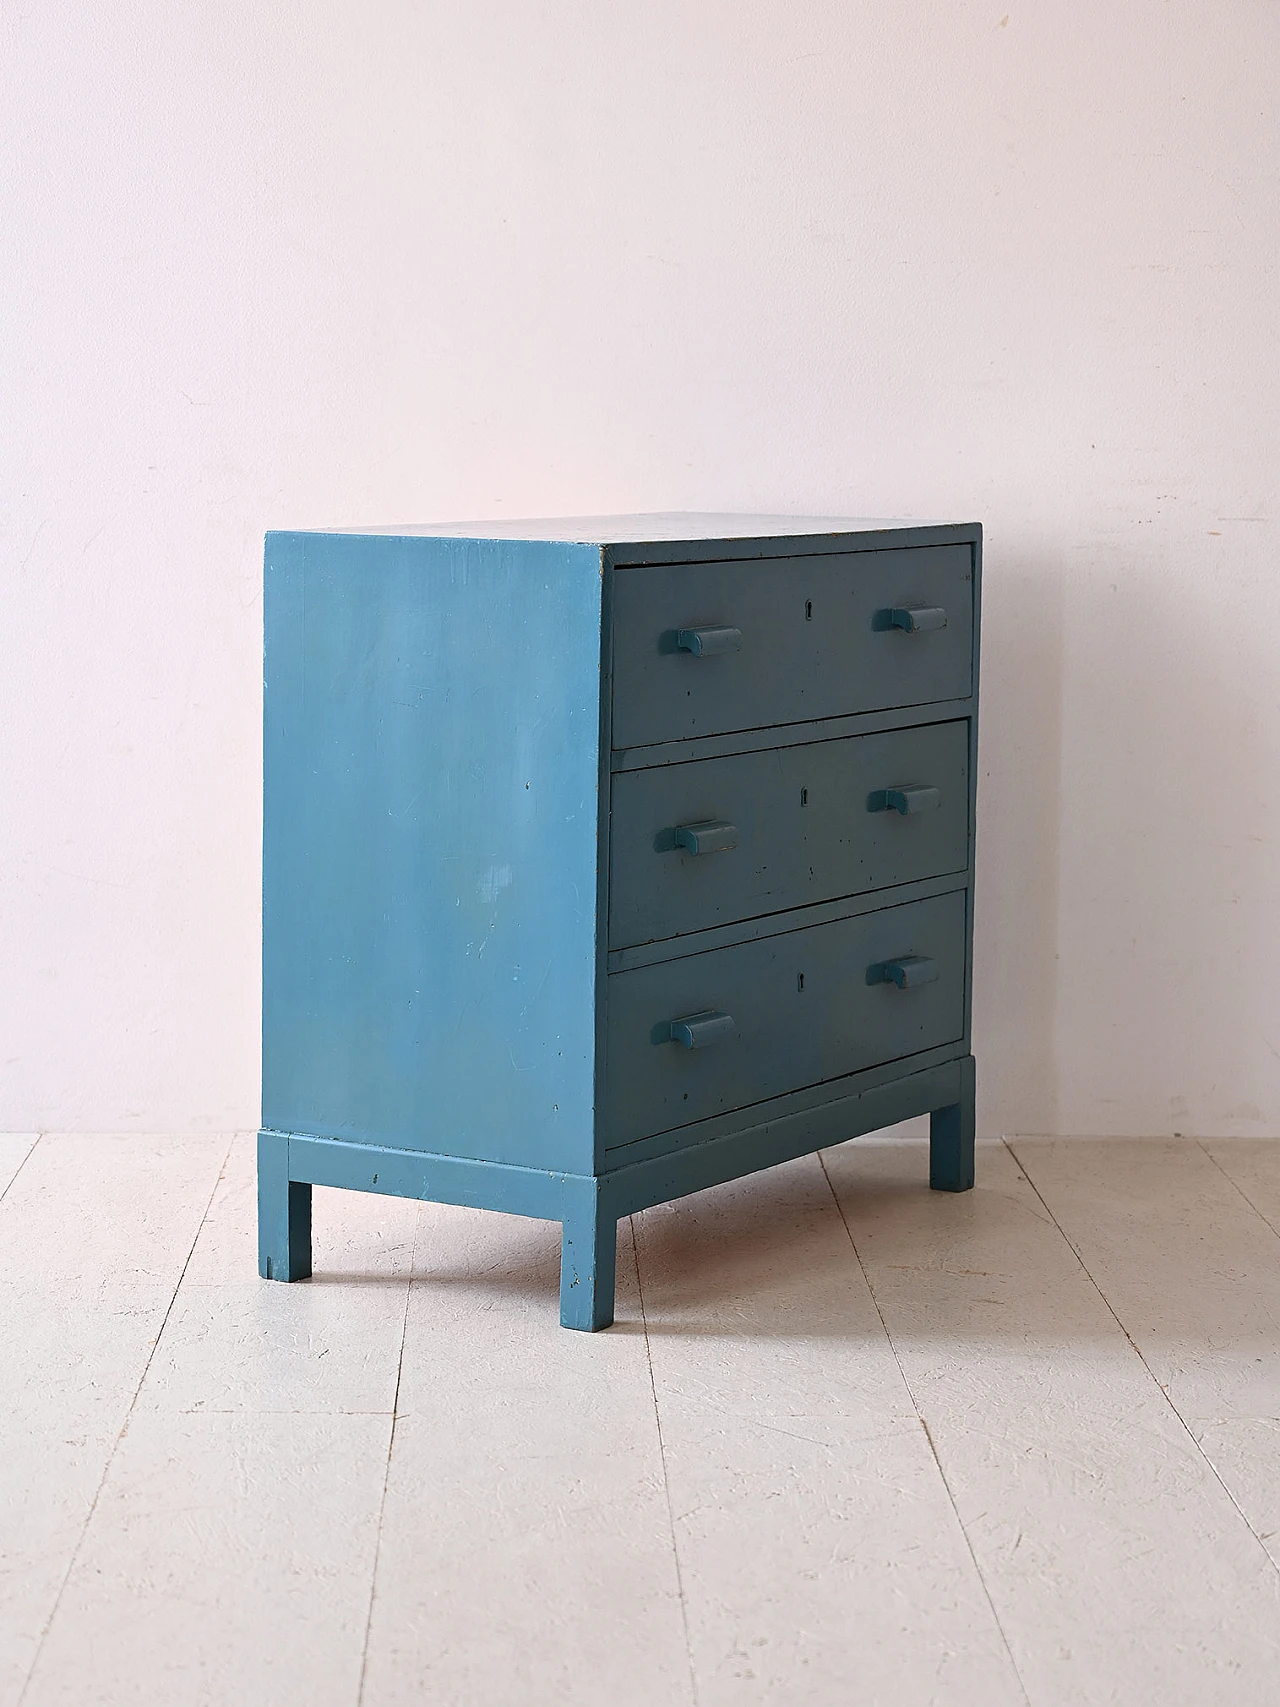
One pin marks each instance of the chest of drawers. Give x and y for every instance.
(609, 860)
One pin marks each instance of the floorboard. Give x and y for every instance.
(233, 1543)
(526, 1550)
(849, 1439)
(94, 1233)
(1120, 1568)
(820, 1555)
(1176, 1237)
(15, 1148)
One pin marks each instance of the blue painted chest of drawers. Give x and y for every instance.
(609, 860)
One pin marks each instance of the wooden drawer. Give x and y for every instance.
(705, 648)
(779, 1014)
(717, 840)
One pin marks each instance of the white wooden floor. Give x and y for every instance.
(850, 1441)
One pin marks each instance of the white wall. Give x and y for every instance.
(304, 264)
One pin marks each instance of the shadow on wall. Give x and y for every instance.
(1124, 968)
(1019, 837)
(1168, 879)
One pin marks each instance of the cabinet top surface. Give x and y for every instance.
(665, 527)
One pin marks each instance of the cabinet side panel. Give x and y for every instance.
(430, 844)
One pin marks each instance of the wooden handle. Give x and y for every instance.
(908, 972)
(916, 619)
(696, 1031)
(920, 797)
(714, 836)
(709, 642)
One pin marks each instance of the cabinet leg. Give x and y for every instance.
(588, 1260)
(284, 1213)
(951, 1138)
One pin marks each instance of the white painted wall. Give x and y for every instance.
(302, 264)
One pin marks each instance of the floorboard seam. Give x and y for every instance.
(1238, 1187)
(31, 1150)
(933, 1450)
(1133, 1344)
(124, 1427)
(386, 1470)
(662, 1457)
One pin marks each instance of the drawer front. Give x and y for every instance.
(800, 1010)
(706, 648)
(711, 842)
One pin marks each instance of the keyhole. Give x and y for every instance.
(799, 980)
(808, 610)
(804, 797)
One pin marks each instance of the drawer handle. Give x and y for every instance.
(915, 621)
(908, 801)
(712, 837)
(908, 972)
(696, 1031)
(709, 642)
